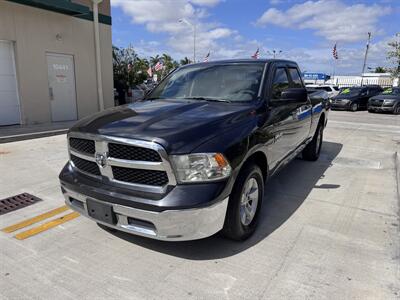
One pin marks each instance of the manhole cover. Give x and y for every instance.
(17, 202)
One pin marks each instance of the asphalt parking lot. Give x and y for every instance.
(330, 229)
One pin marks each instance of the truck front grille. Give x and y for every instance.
(132, 153)
(82, 145)
(139, 164)
(147, 177)
(85, 165)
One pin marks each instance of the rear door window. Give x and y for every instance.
(280, 83)
(296, 79)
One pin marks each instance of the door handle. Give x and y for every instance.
(51, 94)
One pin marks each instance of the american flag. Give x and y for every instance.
(207, 57)
(256, 55)
(150, 72)
(334, 53)
(159, 66)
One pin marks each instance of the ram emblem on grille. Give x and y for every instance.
(101, 159)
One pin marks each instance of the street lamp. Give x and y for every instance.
(194, 36)
(275, 53)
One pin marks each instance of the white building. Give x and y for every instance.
(382, 79)
(48, 70)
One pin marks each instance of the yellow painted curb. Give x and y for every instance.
(46, 226)
(34, 220)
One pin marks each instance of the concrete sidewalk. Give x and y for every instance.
(25, 132)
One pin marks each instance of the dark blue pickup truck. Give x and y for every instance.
(192, 159)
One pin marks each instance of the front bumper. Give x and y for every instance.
(340, 106)
(170, 225)
(381, 108)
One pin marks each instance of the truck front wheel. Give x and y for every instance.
(244, 204)
(312, 150)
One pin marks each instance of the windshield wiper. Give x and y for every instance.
(208, 99)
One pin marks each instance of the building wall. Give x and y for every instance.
(34, 32)
(384, 80)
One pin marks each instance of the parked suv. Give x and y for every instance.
(332, 90)
(193, 158)
(387, 101)
(354, 98)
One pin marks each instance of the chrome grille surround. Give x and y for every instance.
(101, 146)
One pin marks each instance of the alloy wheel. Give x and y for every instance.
(249, 201)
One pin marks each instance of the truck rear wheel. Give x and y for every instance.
(244, 204)
(312, 150)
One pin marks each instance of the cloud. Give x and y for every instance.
(163, 16)
(331, 19)
(350, 58)
(205, 2)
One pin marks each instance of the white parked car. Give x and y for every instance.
(332, 90)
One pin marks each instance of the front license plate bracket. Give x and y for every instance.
(101, 211)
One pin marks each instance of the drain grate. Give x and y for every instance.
(17, 202)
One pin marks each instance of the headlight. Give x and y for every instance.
(200, 167)
(388, 101)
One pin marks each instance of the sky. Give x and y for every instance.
(304, 31)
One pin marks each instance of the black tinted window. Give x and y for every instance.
(280, 83)
(296, 79)
(230, 82)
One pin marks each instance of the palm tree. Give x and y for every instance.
(154, 60)
(185, 61)
(168, 62)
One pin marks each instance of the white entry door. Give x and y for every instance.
(9, 102)
(62, 91)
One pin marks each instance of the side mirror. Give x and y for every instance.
(291, 95)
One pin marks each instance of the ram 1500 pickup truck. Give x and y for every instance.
(192, 159)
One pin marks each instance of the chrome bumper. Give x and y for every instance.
(169, 225)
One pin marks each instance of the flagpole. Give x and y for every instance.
(365, 57)
(334, 63)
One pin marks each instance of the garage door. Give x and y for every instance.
(9, 103)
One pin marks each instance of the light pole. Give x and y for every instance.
(275, 53)
(97, 52)
(194, 36)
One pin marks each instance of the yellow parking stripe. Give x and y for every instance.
(36, 219)
(53, 223)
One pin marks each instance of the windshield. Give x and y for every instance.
(229, 82)
(350, 91)
(391, 91)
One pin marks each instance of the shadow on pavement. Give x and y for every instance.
(284, 194)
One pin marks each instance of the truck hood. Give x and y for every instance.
(178, 125)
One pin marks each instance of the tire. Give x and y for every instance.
(354, 107)
(241, 219)
(396, 110)
(312, 150)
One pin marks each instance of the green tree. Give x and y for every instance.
(393, 56)
(128, 66)
(185, 61)
(154, 60)
(380, 70)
